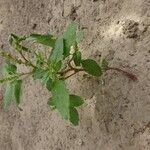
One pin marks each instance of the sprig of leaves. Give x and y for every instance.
(13, 87)
(63, 61)
(52, 71)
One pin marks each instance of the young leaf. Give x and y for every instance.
(104, 64)
(38, 73)
(57, 66)
(57, 52)
(8, 95)
(15, 38)
(17, 90)
(46, 77)
(13, 91)
(51, 103)
(15, 42)
(9, 68)
(49, 84)
(77, 58)
(61, 98)
(45, 39)
(91, 67)
(74, 117)
(39, 59)
(79, 36)
(75, 101)
(69, 37)
(7, 78)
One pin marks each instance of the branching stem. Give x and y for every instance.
(26, 60)
(14, 59)
(11, 77)
(69, 63)
(10, 57)
(75, 71)
(71, 68)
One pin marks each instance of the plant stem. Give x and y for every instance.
(129, 75)
(16, 60)
(10, 57)
(23, 56)
(69, 76)
(69, 63)
(2, 80)
(24, 73)
(65, 71)
(75, 71)
(26, 60)
(11, 77)
(71, 68)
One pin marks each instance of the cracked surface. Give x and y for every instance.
(116, 115)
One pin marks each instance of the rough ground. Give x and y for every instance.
(116, 115)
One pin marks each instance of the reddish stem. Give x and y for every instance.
(75, 71)
(69, 63)
(27, 61)
(129, 75)
(65, 71)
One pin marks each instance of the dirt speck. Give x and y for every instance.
(130, 29)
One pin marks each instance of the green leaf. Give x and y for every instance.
(69, 37)
(12, 92)
(42, 74)
(15, 38)
(74, 117)
(79, 36)
(17, 90)
(8, 78)
(49, 84)
(104, 64)
(61, 98)
(57, 66)
(91, 67)
(22, 48)
(15, 42)
(77, 58)
(39, 59)
(75, 101)
(8, 95)
(9, 68)
(45, 39)
(46, 77)
(38, 73)
(51, 103)
(57, 52)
